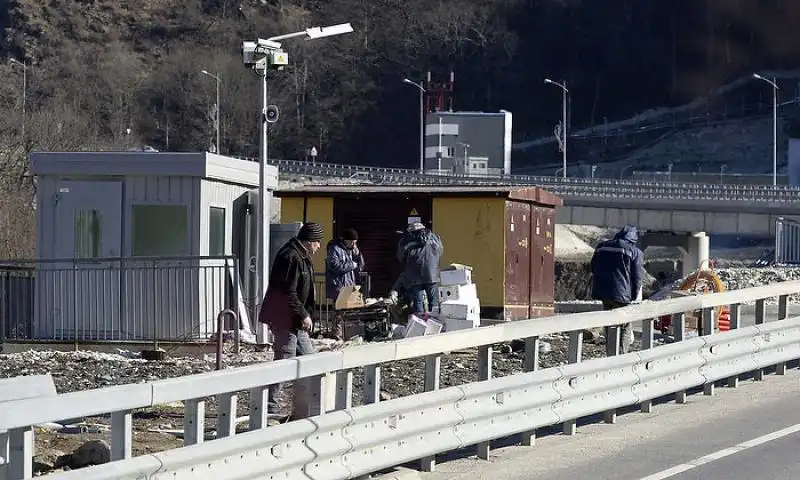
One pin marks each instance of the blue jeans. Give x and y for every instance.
(419, 292)
(287, 345)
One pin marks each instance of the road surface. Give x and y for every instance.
(752, 431)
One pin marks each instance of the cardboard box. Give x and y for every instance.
(458, 292)
(465, 310)
(454, 324)
(349, 297)
(455, 275)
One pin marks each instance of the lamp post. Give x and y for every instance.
(272, 57)
(421, 122)
(565, 92)
(24, 90)
(775, 89)
(216, 111)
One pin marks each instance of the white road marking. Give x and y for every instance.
(723, 453)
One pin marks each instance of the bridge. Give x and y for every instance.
(673, 214)
(337, 440)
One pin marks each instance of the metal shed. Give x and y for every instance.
(505, 233)
(139, 246)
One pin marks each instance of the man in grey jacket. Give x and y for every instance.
(344, 263)
(419, 252)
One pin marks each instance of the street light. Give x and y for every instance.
(565, 92)
(216, 112)
(24, 90)
(272, 56)
(775, 89)
(421, 122)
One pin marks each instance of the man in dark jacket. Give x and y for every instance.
(290, 299)
(343, 264)
(617, 266)
(419, 252)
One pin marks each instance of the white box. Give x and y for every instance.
(415, 327)
(458, 292)
(462, 276)
(465, 310)
(433, 327)
(454, 324)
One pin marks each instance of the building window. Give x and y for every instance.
(216, 231)
(160, 230)
(451, 152)
(88, 235)
(483, 164)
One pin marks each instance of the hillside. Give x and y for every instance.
(110, 74)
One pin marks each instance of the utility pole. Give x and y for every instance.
(216, 111)
(565, 93)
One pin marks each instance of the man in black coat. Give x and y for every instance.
(617, 267)
(291, 299)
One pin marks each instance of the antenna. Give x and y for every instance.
(439, 94)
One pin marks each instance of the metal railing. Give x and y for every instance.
(574, 186)
(787, 242)
(115, 299)
(710, 178)
(348, 441)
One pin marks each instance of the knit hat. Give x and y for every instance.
(310, 232)
(349, 234)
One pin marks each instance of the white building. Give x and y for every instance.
(471, 143)
(118, 238)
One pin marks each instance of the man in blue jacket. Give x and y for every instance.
(617, 266)
(344, 263)
(419, 252)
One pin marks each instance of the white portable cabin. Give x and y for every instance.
(121, 240)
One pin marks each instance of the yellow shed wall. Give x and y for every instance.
(473, 233)
(320, 210)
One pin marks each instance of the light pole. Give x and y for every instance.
(565, 92)
(216, 111)
(272, 57)
(24, 91)
(421, 122)
(775, 89)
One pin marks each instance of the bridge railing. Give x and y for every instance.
(357, 440)
(779, 193)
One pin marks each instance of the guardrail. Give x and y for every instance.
(351, 441)
(571, 186)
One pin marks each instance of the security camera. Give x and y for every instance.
(249, 57)
(272, 114)
(265, 45)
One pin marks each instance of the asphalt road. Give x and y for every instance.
(749, 432)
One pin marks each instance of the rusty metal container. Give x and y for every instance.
(505, 233)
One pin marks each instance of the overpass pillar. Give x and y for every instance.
(695, 254)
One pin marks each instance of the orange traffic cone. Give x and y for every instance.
(724, 321)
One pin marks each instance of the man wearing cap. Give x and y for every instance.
(343, 264)
(419, 251)
(291, 299)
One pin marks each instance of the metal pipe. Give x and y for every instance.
(220, 330)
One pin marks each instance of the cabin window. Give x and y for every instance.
(160, 230)
(216, 231)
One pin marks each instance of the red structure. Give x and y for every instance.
(437, 95)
